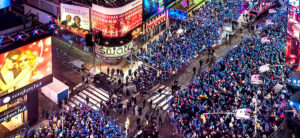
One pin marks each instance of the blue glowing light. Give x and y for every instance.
(4, 3)
(294, 104)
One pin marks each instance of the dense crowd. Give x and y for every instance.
(172, 50)
(80, 121)
(226, 86)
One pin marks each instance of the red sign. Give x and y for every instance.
(155, 21)
(117, 22)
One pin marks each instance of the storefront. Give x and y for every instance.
(113, 50)
(25, 68)
(17, 113)
(114, 55)
(74, 39)
(155, 25)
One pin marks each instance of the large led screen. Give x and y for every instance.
(75, 19)
(4, 3)
(154, 7)
(293, 35)
(75, 16)
(178, 14)
(25, 65)
(117, 22)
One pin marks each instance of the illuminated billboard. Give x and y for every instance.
(117, 22)
(75, 16)
(154, 7)
(4, 3)
(178, 14)
(23, 69)
(75, 19)
(120, 51)
(293, 35)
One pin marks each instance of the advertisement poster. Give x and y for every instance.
(25, 65)
(117, 22)
(74, 19)
(293, 36)
(75, 16)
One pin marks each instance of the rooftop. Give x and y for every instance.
(9, 20)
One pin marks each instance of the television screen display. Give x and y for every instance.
(154, 7)
(25, 65)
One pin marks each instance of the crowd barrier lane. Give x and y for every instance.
(281, 127)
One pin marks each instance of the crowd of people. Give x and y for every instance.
(80, 121)
(172, 51)
(226, 87)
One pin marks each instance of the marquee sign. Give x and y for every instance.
(13, 113)
(110, 52)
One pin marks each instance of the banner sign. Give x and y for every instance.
(155, 21)
(114, 51)
(117, 22)
(269, 22)
(25, 90)
(265, 40)
(13, 113)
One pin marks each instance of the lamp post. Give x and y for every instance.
(131, 52)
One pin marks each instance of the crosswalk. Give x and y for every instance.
(95, 95)
(161, 99)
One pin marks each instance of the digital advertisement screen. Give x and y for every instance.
(154, 7)
(293, 36)
(4, 3)
(25, 66)
(178, 14)
(117, 22)
(75, 16)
